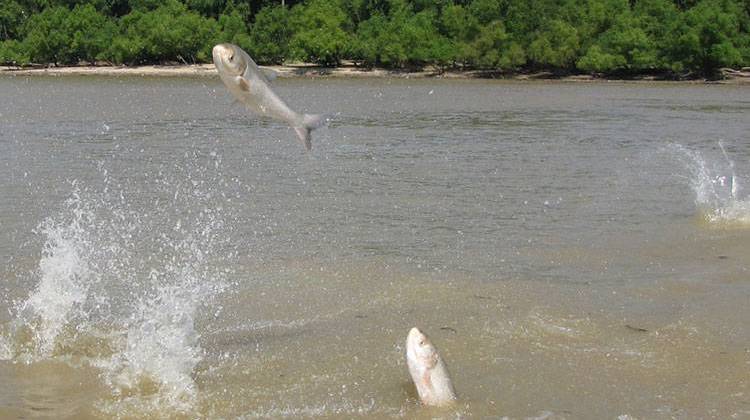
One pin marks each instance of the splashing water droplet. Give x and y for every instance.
(134, 280)
(717, 187)
(64, 273)
(5, 350)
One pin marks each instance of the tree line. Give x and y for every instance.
(683, 38)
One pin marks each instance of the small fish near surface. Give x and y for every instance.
(247, 82)
(428, 370)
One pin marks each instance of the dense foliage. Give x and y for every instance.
(681, 37)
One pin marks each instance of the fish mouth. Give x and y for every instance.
(416, 338)
(222, 52)
(228, 58)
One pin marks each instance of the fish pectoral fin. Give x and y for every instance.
(431, 361)
(243, 84)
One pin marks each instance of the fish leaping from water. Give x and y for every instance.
(428, 370)
(250, 85)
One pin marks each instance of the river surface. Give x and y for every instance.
(574, 250)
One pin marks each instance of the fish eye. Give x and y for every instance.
(231, 57)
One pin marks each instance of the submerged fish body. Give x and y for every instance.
(428, 371)
(250, 85)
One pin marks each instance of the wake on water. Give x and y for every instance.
(719, 193)
(123, 286)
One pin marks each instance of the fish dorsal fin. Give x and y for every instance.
(269, 74)
(252, 71)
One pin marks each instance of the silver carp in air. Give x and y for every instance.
(428, 371)
(247, 82)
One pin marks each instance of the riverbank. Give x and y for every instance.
(308, 70)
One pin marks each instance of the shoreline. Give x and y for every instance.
(349, 71)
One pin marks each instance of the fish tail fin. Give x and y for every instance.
(309, 122)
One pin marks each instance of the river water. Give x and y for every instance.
(574, 250)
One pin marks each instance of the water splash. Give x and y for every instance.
(5, 349)
(132, 280)
(161, 347)
(719, 194)
(65, 273)
(160, 352)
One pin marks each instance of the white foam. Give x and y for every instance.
(135, 279)
(64, 274)
(717, 186)
(5, 350)
(161, 346)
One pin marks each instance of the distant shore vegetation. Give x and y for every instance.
(681, 38)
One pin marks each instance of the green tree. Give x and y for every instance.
(422, 41)
(480, 37)
(145, 5)
(524, 19)
(90, 34)
(708, 37)
(656, 18)
(459, 23)
(47, 40)
(12, 52)
(461, 29)
(695, 37)
(556, 47)
(599, 60)
(234, 29)
(377, 44)
(211, 8)
(320, 37)
(591, 18)
(495, 48)
(359, 11)
(167, 33)
(403, 38)
(625, 47)
(270, 35)
(486, 11)
(12, 16)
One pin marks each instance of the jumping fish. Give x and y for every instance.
(428, 370)
(250, 85)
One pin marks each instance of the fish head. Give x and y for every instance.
(228, 59)
(420, 350)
